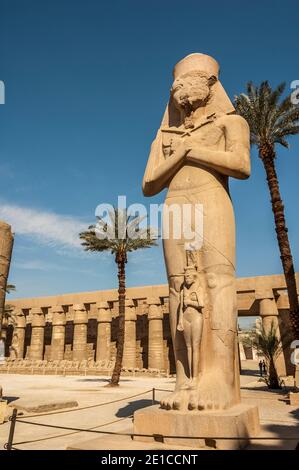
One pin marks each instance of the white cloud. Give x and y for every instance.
(39, 265)
(45, 227)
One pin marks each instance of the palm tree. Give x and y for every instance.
(268, 343)
(10, 288)
(8, 309)
(118, 237)
(272, 120)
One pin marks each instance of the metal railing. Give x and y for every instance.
(211, 441)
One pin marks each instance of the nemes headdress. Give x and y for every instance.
(219, 102)
(196, 61)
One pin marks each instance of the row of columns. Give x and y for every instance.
(80, 320)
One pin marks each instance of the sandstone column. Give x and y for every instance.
(155, 334)
(269, 315)
(6, 244)
(58, 333)
(18, 339)
(129, 357)
(104, 332)
(37, 334)
(80, 333)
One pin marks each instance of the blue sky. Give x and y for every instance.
(86, 86)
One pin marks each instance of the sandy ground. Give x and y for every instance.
(278, 418)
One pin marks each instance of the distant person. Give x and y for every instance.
(261, 368)
(264, 368)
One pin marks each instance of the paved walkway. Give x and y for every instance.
(278, 418)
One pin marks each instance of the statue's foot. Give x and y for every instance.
(193, 384)
(174, 401)
(213, 393)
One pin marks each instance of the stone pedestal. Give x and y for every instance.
(155, 334)
(129, 356)
(80, 333)
(37, 334)
(294, 398)
(18, 339)
(58, 333)
(3, 411)
(204, 429)
(104, 332)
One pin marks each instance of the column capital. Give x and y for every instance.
(155, 312)
(130, 310)
(57, 309)
(104, 312)
(268, 308)
(38, 318)
(80, 307)
(80, 314)
(153, 301)
(36, 311)
(58, 318)
(58, 315)
(264, 293)
(102, 304)
(19, 318)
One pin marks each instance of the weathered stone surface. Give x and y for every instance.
(122, 443)
(3, 410)
(58, 333)
(199, 145)
(104, 318)
(42, 405)
(80, 333)
(294, 398)
(129, 356)
(155, 334)
(239, 421)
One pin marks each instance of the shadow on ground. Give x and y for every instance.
(253, 373)
(263, 388)
(99, 380)
(133, 406)
(10, 399)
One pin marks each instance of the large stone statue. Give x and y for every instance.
(200, 143)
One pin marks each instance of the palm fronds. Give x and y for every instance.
(122, 233)
(271, 119)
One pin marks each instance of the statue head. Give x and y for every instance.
(196, 86)
(192, 90)
(193, 78)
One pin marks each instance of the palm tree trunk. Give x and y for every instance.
(268, 158)
(121, 262)
(273, 377)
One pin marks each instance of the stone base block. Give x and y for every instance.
(121, 443)
(201, 429)
(294, 398)
(3, 411)
(42, 406)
